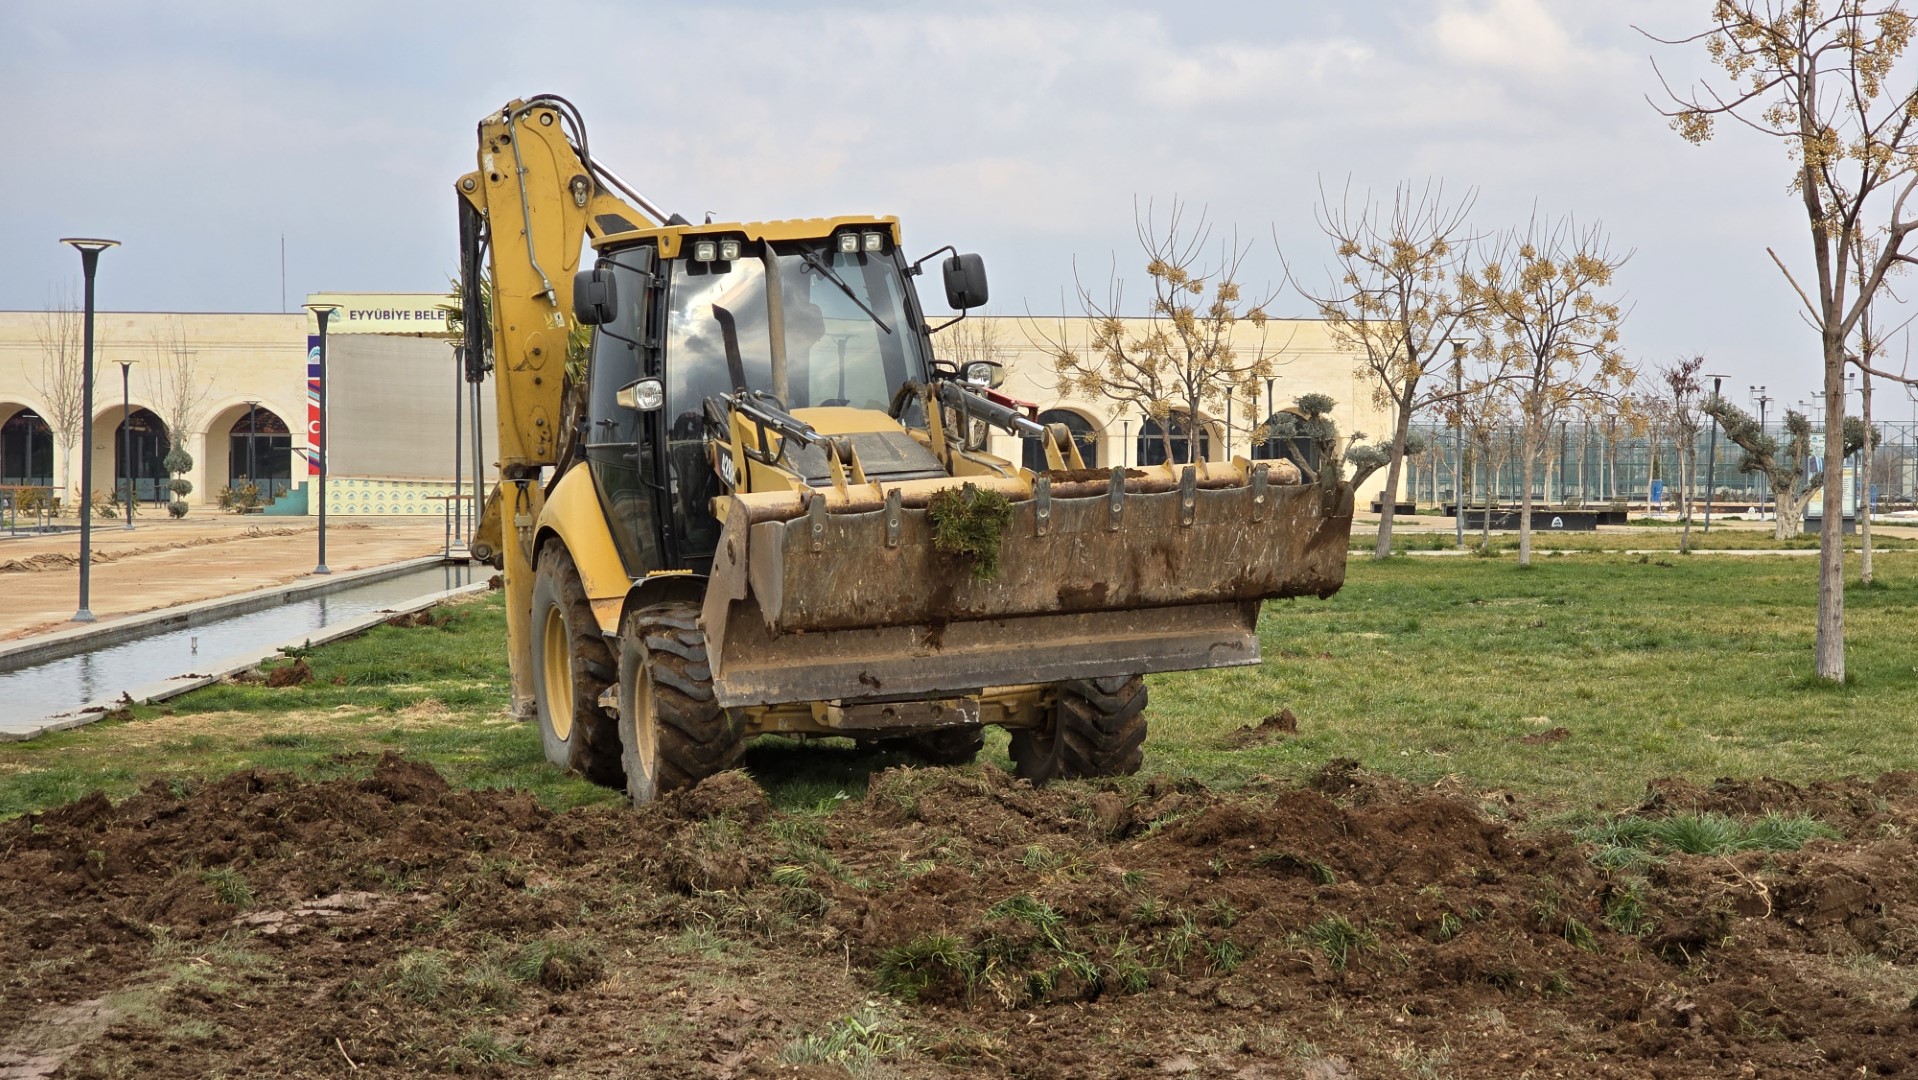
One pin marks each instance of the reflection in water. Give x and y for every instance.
(59, 685)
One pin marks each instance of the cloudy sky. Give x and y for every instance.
(200, 132)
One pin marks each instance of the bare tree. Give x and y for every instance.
(1820, 81)
(974, 339)
(1402, 293)
(180, 395)
(62, 381)
(1872, 339)
(1683, 388)
(1184, 357)
(1544, 289)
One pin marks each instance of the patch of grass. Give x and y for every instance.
(1626, 841)
(419, 976)
(1319, 872)
(1338, 939)
(482, 1047)
(1472, 672)
(1223, 956)
(556, 964)
(1627, 906)
(230, 886)
(906, 971)
(865, 1037)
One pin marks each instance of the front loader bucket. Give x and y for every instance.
(836, 595)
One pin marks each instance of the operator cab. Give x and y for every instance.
(822, 323)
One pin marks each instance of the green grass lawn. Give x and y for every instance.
(1426, 668)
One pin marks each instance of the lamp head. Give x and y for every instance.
(321, 311)
(88, 243)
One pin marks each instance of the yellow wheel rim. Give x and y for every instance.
(645, 732)
(556, 661)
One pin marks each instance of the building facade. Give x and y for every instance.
(397, 405)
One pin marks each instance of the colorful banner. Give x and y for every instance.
(313, 435)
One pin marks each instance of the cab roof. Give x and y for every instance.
(669, 238)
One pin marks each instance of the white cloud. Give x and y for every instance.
(1517, 34)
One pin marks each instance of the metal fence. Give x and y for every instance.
(1587, 463)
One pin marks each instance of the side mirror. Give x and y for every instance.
(983, 373)
(965, 282)
(642, 396)
(595, 296)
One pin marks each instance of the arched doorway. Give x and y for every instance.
(26, 451)
(1188, 445)
(143, 436)
(260, 450)
(1034, 453)
(1298, 450)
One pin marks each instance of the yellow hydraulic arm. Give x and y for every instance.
(525, 215)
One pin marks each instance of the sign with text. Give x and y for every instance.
(385, 313)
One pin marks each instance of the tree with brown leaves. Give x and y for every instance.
(1187, 355)
(1553, 327)
(1822, 82)
(1402, 294)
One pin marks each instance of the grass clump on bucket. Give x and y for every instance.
(969, 522)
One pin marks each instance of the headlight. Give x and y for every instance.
(705, 250)
(728, 250)
(644, 395)
(874, 243)
(848, 243)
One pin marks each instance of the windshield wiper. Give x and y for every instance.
(816, 263)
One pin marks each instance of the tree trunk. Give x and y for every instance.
(1787, 517)
(1388, 499)
(1525, 502)
(1830, 651)
(1864, 500)
(1791, 511)
(1685, 536)
(1485, 512)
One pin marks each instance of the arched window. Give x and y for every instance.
(144, 436)
(260, 450)
(26, 451)
(1082, 433)
(1152, 441)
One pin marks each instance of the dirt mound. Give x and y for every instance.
(951, 922)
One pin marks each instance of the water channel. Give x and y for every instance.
(55, 686)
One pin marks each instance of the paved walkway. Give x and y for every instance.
(163, 563)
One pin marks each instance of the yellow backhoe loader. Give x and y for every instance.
(767, 505)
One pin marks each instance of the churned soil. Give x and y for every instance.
(950, 923)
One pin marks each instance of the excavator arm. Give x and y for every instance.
(525, 215)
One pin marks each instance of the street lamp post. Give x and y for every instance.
(89, 249)
(252, 430)
(322, 312)
(1125, 438)
(1711, 458)
(126, 436)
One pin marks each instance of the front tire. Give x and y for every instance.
(1098, 729)
(673, 734)
(572, 666)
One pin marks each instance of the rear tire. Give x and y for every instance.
(572, 666)
(1098, 729)
(673, 734)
